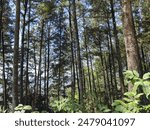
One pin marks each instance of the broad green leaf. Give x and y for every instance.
(120, 108)
(106, 110)
(135, 79)
(136, 85)
(27, 107)
(146, 76)
(128, 74)
(136, 73)
(146, 89)
(19, 107)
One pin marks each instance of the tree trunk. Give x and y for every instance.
(131, 45)
(40, 60)
(112, 63)
(93, 78)
(27, 58)
(22, 52)
(4, 76)
(35, 73)
(48, 66)
(118, 53)
(3, 54)
(16, 55)
(72, 54)
(78, 55)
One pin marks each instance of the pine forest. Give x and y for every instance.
(75, 56)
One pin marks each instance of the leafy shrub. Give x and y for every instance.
(23, 109)
(132, 100)
(65, 105)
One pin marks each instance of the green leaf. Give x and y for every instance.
(127, 99)
(139, 95)
(135, 79)
(146, 83)
(27, 107)
(106, 110)
(146, 76)
(19, 107)
(146, 88)
(136, 85)
(128, 74)
(133, 106)
(130, 94)
(119, 102)
(120, 108)
(136, 73)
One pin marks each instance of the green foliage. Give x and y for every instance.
(23, 109)
(130, 103)
(46, 8)
(65, 105)
(132, 100)
(92, 104)
(103, 108)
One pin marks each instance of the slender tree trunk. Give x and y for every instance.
(112, 62)
(15, 58)
(45, 77)
(22, 52)
(102, 62)
(107, 88)
(72, 54)
(131, 45)
(60, 54)
(118, 53)
(35, 73)
(40, 61)
(4, 76)
(3, 55)
(93, 77)
(143, 58)
(87, 61)
(78, 55)
(27, 58)
(48, 66)
(110, 68)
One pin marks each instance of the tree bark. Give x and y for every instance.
(131, 45)
(27, 58)
(72, 54)
(22, 52)
(16, 55)
(48, 68)
(3, 54)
